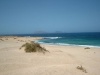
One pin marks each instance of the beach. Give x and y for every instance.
(60, 60)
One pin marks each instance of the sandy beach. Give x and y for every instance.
(60, 60)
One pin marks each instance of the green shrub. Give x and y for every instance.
(33, 47)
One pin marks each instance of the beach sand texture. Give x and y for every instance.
(60, 60)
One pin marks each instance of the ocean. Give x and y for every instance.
(73, 39)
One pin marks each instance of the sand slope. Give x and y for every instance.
(61, 60)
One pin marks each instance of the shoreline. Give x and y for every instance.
(71, 45)
(36, 39)
(62, 44)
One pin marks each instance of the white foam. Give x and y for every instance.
(89, 46)
(51, 37)
(65, 44)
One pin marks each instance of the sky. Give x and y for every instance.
(39, 16)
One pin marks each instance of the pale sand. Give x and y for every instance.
(60, 60)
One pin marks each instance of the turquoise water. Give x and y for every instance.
(80, 39)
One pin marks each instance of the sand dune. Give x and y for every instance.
(60, 60)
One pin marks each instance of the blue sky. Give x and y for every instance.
(30, 16)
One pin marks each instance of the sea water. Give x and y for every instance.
(74, 39)
(79, 39)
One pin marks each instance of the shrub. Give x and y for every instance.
(33, 47)
(1, 39)
(87, 48)
(81, 68)
(15, 38)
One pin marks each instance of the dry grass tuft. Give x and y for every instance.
(33, 47)
(82, 68)
(15, 38)
(1, 39)
(87, 48)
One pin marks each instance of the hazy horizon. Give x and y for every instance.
(49, 16)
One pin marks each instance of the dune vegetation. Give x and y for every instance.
(33, 47)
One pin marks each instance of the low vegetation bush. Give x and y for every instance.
(81, 68)
(87, 48)
(1, 39)
(33, 47)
